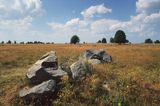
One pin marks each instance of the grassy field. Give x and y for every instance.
(133, 76)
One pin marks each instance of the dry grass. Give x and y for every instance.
(133, 76)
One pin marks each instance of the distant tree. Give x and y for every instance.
(35, 42)
(21, 42)
(2, 42)
(99, 41)
(9, 42)
(15, 42)
(74, 39)
(29, 42)
(148, 41)
(104, 40)
(120, 37)
(156, 41)
(111, 40)
(48, 43)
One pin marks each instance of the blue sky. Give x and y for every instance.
(57, 20)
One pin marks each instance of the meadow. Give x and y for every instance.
(133, 76)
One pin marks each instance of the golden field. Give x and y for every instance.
(133, 76)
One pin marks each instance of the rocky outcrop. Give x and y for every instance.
(43, 76)
(83, 65)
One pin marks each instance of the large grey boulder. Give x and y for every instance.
(44, 69)
(96, 54)
(80, 69)
(42, 89)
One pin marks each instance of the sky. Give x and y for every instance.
(58, 20)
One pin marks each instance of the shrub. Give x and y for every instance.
(99, 41)
(157, 41)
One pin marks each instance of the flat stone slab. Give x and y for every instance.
(44, 87)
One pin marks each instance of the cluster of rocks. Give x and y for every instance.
(43, 76)
(96, 56)
(45, 73)
(81, 67)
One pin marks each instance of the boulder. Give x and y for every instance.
(42, 89)
(37, 74)
(96, 54)
(80, 69)
(44, 69)
(48, 60)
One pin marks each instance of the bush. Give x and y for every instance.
(75, 39)
(157, 41)
(99, 41)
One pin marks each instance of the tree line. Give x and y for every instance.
(29, 42)
(119, 37)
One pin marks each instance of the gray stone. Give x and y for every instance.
(96, 54)
(41, 89)
(44, 69)
(94, 61)
(80, 69)
(56, 73)
(37, 74)
(48, 60)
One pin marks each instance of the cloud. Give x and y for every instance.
(75, 23)
(16, 18)
(16, 25)
(148, 6)
(98, 9)
(20, 8)
(144, 24)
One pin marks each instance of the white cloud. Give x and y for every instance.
(75, 23)
(20, 8)
(148, 6)
(16, 25)
(16, 18)
(98, 9)
(153, 18)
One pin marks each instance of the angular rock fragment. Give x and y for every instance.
(41, 89)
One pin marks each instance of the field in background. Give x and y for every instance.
(133, 76)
